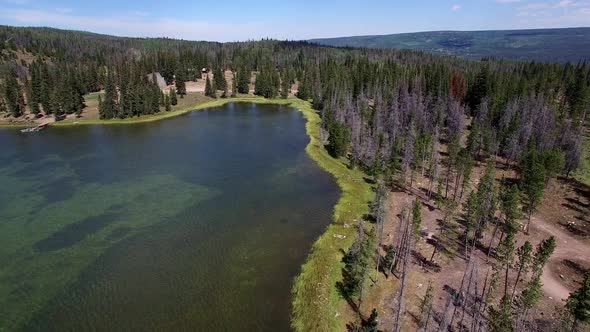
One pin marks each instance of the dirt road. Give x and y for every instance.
(568, 247)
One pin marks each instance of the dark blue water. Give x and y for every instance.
(196, 223)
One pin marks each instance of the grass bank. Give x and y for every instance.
(316, 300)
(582, 174)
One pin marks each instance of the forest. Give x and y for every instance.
(399, 116)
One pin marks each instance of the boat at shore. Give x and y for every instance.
(34, 129)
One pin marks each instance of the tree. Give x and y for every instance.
(109, 106)
(532, 183)
(525, 257)
(356, 264)
(578, 303)
(544, 250)
(234, 90)
(370, 325)
(180, 84)
(13, 96)
(172, 97)
(509, 205)
(243, 84)
(285, 85)
(339, 139)
(219, 79)
(417, 217)
(209, 91)
(531, 295)
(554, 163)
(501, 318)
(167, 105)
(426, 307)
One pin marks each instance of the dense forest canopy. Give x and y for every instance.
(385, 107)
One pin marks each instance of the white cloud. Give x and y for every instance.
(562, 13)
(456, 7)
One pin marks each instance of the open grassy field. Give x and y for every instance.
(582, 174)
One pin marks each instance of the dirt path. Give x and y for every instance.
(568, 247)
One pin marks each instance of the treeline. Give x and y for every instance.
(388, 110)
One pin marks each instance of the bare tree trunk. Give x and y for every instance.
(405, 269)
(517, 280)
(444, 324)
(492, 239)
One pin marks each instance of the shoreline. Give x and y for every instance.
(315, 299)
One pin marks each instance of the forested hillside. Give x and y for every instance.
(545, 45)
(387, 112)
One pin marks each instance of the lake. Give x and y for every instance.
(195, 223)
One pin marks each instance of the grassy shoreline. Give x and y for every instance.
(316, 300)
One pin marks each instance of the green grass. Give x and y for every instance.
(93, 96)
(315, 297)
(582, 174)
(316, 300)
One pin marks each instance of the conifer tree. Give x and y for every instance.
(544, 250)
(532, 183)
(243, 84)
(501, 318)
(525, 257)
(426, 307)
(180, 83)
(219, 78)
(417, 217)
(209, 91)
(108, 107)
(370, 325)
(578, 303)
(167, 105)
(531, 295)
(234, 90)
(172, 97)
(339, 139)
(13, 96)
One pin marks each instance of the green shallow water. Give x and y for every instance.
(196, 223)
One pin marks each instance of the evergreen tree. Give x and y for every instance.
(532, 182)
(209, 91)
(109, 106)
(285, 86)
(356, 264)
(525, 257)
(172, 97)
(234, 90)
(531, 295)
(180, 83)
(370, 325)
(339, 139)
(501, 318)
(219, 78)
(426, 307)
(243, 84)
(13, 96)
(167, 105)
(417, 217)
(578, 303)
(544, 250)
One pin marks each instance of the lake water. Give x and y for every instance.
(196, 223)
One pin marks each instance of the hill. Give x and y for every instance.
(546, 45)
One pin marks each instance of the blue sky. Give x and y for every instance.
(230, 20)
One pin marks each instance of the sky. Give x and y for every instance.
(233, 20)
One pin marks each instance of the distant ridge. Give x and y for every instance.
(546, 45)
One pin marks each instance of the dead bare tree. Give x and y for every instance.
(405, 259)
